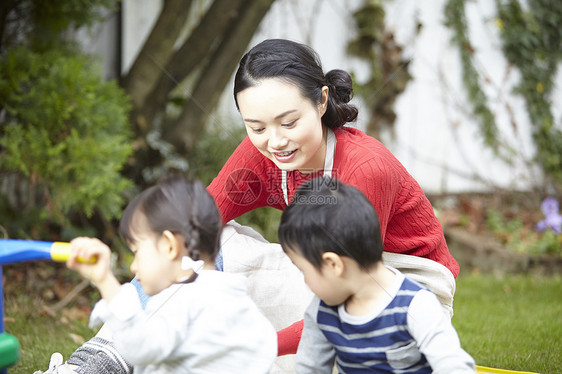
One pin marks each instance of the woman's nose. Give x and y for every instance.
(277, 139)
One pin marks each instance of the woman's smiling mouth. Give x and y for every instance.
(284, 156)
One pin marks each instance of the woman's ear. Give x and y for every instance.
(171, 244)
(332, 263)
(324, 100)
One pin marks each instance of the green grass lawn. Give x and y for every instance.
(513, 322)
(41, 334)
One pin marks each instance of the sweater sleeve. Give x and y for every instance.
(315, 354)
(436, 337)
(141, 339)
(247, 181)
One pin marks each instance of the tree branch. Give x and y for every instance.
(201, 42)
(216, 74)
(5, 8)
(143, 74)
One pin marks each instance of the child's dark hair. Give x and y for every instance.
(298, 64)
(328, 216)
(180, 206)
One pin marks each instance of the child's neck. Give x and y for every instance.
(184, 274)
(372, 289)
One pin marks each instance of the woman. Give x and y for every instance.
(294, 116)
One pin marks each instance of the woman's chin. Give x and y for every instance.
(285, 166)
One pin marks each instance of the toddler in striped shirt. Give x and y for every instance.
(366, 317)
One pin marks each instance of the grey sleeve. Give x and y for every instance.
(315, 354)
(99, 356)
(436, 337)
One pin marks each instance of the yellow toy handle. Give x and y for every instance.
(60, 252)
(487, 370)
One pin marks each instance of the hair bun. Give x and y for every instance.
(339, 111)
(340, 84)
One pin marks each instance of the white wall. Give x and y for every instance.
(436, 135)
(100, 41)
(438, 138)
(139, 16)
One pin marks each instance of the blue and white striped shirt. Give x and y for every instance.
(406, 332)
(382, 344)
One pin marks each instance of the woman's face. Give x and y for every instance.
(285, 126)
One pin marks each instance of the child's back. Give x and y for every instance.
(207, 326)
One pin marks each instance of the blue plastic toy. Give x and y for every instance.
(12, 251)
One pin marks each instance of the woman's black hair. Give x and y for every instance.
(326, 215)
(180, 206)
(300, 65)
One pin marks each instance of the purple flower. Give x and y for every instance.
(553, 219)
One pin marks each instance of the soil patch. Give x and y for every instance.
(483, 253)
(465, 220)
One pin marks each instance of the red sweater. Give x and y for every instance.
(408, 225)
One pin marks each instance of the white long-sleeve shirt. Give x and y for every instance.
(207, 326)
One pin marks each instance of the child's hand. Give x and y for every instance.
(87, 248)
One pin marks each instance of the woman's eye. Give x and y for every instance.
(290, 124)
(257, 131)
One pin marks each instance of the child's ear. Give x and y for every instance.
(171, 244)
(333, 263)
